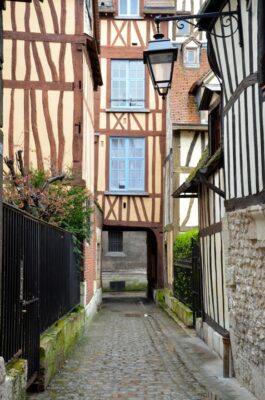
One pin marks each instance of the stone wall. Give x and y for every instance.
(244, 245)
(130, 265)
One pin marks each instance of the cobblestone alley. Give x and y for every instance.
(133, 351)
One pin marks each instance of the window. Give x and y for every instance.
(214, 130)
(115, 241)
(127, 167)
(128, 8)
(127, 83)
(191, 57)
(182, 28)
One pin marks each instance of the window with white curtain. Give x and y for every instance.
(127, 83)
(127, 164)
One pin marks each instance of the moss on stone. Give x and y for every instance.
(57, 342)
(16, 367)
(16, 370)
(160, 295)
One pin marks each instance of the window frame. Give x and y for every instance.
(126, 158)
(127, 104)
(215, 129)
(129, 14)
(186, 63)
(115, 243)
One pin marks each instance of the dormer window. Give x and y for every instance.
(128, 8)
(191, 53)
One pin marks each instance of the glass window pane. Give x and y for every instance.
(123, 7)
(134, 7)
(127, 164)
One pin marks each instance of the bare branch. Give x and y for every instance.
(20, 163)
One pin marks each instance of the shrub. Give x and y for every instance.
(183, 244)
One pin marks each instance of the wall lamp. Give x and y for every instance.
(162, 53)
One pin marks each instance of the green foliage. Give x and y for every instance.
(51, 199)
(183, 274)
(183, 244)
(37, 178)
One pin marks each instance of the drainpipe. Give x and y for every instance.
(226, 356)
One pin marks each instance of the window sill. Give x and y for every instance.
(192, 66)
(115, 254)
(126, 17)
(128, 110)
(126, 193)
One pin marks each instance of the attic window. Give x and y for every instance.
(191, 57)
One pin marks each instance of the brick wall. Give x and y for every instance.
(182, 104)
(92, 251)
(244, 244)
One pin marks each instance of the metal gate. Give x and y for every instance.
(188, 281)
(20, 289)
(40, 284)
(196, 282)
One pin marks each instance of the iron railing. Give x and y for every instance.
(188, 281)
(40, 283)
(183, 281)
(59, 283)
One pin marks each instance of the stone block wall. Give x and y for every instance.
(244, 245)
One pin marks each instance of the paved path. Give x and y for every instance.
(133, 351)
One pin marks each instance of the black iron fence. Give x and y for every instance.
(188, 281)
(183, 281)
(40, 283)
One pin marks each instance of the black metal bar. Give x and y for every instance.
(40, 284)
(160, 18)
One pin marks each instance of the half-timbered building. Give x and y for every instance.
(131, 123)
(50, 74)
(236, 53)
(206, 182)
(186, 129)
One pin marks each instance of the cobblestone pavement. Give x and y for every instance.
(133, 351)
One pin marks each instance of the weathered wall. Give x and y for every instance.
(92, 256)
(244, 243)
(132, 257)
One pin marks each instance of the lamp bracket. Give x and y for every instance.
(226, 20)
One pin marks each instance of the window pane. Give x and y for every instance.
(123, 7)
(136, 147)
(127, 164)
(136, 181)
(134, 7)
(191, 56)
(127, 85)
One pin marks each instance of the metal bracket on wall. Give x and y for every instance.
(226, 21)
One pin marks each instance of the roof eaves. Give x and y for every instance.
(207, 7)
(208, 164)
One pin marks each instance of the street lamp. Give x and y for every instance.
(161, 53)
(160, 57)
